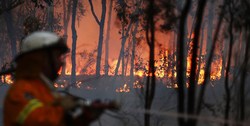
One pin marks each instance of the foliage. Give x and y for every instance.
(241, 13)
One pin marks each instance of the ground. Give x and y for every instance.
(132, 103)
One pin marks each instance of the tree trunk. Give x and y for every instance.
(133, 52)
(180, 61)
(51, 17)
(192, 85)
(124, 39)
(66, 18)
(101, 29)
(210, 27)
(210, 58)
(200, 55)
(10, 28)
(74, 38)
(107, 39)
(227, 88)
(243, 79)
(150, 85)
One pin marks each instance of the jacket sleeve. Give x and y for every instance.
(33, 112)
(43, 115)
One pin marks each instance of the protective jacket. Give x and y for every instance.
(30, 102)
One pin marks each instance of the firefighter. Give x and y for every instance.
(32, 100)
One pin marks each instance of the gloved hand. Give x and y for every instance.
(96, 108)
(90, 111)
(68, 102)
(93, 111)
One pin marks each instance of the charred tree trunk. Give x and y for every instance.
(51, 17)
(10, 27)
(133, 51)
(210, 26)
(123, 60)
(227, 87)
(124, 39)
(243, 79)
(150, 85)
(192, 85)
(173, 62)
(74, 38)
(107, 39)
(200, 54)
(11, 6)
(66, 17)
(210, 58)
(101, 30)
(180, 61)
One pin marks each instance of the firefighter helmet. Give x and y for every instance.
(42, 40)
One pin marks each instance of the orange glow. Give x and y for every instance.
(125, 88)
(59, 85)
(2, 78)
(139, 73)
(56, 85)
(78, 84)
(216, 69)
(7, 79)
(136, 84)
(201, 76)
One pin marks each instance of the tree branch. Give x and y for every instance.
(93, 12)
(11, 6)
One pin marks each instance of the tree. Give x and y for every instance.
(192, 82)
(128, 14)
(101, 30)
(210, 19)
(11, 5)
(180, 61)
(50, 16)
(74, 38)
(134, 41)
(8, 16)
(107, 38)
(150, 37)
(210, 58)
(66, 18)
(227, 87)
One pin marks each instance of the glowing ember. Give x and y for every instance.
(78, 84)
(7, 79)
(139, 73)
(58, 85)
(137, 84)
(201, 76)
(125, 88)
(89, 88)
(216, 69)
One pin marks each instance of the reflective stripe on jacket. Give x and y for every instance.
(31, 103)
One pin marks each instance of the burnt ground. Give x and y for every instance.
(132, 102)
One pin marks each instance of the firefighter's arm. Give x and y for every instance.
(38, 113)
(89, 111)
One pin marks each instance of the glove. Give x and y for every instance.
(68, 102)
(90, 111)
(95, 109)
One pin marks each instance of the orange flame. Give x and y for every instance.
(125, 88)
(136, 84)
(7, 79)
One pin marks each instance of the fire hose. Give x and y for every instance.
(186, 116)
(115, 107)
(87, 111)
